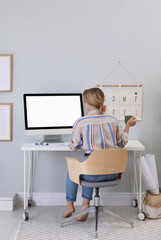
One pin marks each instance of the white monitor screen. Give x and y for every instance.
(52, 110)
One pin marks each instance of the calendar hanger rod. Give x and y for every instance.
(120, 85)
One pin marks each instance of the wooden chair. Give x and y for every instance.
(100, 162)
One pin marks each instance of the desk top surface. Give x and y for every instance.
(132, 145)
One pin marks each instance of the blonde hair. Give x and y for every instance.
(95, 97)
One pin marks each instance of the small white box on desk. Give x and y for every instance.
(7, 201)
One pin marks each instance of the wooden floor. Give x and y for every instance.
(9, 221)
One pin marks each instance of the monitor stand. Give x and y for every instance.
(57, 138)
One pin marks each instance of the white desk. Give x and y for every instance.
(134, 147)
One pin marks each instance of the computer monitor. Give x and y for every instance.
(51, 114)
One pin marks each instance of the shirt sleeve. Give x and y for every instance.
(76, 141)
(121, 136)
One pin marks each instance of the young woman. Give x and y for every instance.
(93, 132)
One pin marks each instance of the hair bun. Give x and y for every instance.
(103, 108)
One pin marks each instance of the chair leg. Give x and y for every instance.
(96, 226)
(96, 204)
(69, 219)
(116, 214)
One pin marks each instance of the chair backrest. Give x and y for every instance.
(100, 162)
(107, 161)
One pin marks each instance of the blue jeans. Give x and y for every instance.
(72, 188)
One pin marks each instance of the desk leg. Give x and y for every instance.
(25, 214)
(30, 182)
(141, 215)
(134, 182)
(33, 171)
(140, 183)
(132, 174)
(137, 188)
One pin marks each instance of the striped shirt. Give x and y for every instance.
(95, 132)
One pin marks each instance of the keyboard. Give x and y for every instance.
(66, 144)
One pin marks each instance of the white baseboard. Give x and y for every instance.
(7, 201)
(59, 199)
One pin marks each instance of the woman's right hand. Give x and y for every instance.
(71, 144)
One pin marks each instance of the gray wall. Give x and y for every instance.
(68, 46)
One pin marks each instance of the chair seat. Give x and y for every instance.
(101, 184)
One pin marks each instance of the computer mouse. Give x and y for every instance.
(38, 142)
(44, 143)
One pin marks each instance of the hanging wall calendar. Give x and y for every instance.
(123, 100)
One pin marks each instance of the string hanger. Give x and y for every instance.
(126, 70)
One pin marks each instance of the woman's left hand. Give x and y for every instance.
(131, 122)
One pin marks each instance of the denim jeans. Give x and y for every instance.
(72, 188)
